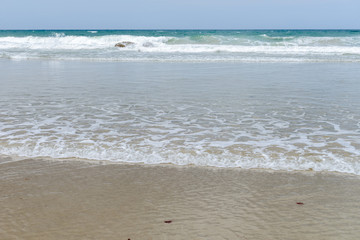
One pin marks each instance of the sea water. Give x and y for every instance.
(287, 100)
(184, 45)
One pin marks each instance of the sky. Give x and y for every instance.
(184, 14)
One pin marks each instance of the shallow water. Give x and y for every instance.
(273, 115)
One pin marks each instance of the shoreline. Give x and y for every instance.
(7, 158)
(51, 199)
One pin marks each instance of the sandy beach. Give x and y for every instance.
(48, 199)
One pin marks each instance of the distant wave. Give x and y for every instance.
(276, 38)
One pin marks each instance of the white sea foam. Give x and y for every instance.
(188, 135)
(60, 41)
(163, 48)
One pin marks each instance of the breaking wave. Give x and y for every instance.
(192, 47)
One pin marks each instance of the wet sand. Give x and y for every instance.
(48, 199)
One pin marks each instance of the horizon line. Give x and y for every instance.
(170, 29)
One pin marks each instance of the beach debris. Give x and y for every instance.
(300, 203)
(168, 221)
(124, 44)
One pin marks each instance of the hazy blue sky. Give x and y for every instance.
(165, 14)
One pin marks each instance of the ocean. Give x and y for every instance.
(184, 45)
(271, 99)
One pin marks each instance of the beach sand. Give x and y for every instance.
(48, 199)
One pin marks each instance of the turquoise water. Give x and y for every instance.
(184, 45)
(184, 33)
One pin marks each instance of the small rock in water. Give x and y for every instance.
(300, 203)
(168, 221)
(124, 44)
(119, 45)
